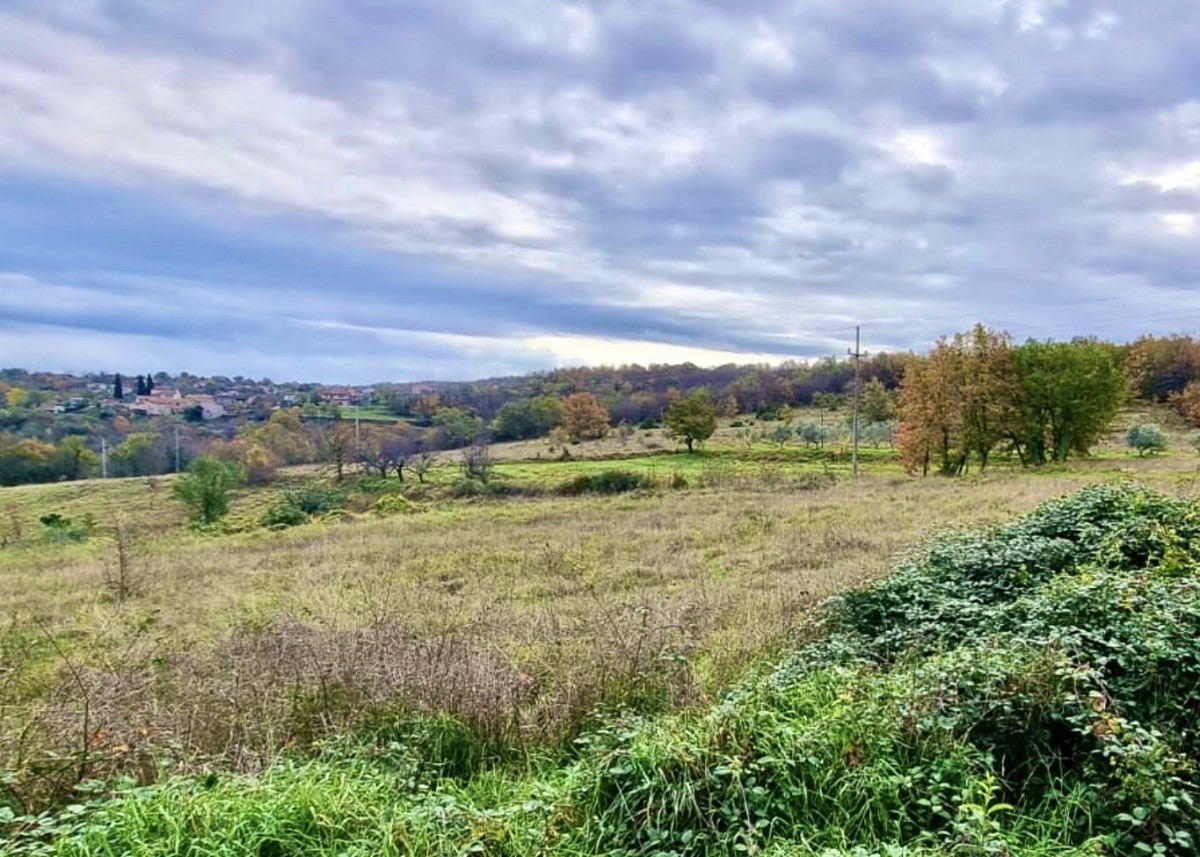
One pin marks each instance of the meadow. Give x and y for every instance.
(135, 646)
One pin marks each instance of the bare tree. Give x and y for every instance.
(383, 452)
(421, 463)
(477, 463)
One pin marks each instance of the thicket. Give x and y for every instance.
(1028, 690)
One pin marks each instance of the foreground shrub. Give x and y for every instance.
(605, 482)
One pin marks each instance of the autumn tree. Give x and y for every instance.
(25, 460)
(584, 418)
(1187, 402)
(284, 437)
(930, 427)
(1159, 367)
(139, 454)
(957, 402)
(692, 418)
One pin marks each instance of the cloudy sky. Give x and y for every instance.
(407, 189)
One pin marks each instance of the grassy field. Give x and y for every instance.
(518, 614)
(370, 413)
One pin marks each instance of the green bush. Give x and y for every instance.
(207, 487)
(605, 482)
(63, 529)
(1146, 438)
(283, 513)
(317, 499)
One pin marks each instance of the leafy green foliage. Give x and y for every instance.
(206, 488)
(1146, 438)
(605, 482)
(527, 418)
(458, 426)
(692, 418)
(1070, 393)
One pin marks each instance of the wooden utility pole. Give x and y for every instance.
(103, 458)
(357, 434)
(857, 354)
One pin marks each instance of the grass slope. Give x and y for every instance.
(1025, 690)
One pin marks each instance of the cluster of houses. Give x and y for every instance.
(169, 403)
(215, 402)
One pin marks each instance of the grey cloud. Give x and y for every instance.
(918, 164)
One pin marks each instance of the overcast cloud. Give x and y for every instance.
(369, 190)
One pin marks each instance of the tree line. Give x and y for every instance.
(977, 392)
(974, 395)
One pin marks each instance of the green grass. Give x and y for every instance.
(371, 413)
(1026, 690)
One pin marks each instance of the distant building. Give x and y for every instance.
(167, 403)
(345, 395)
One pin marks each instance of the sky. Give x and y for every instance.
(377, 190)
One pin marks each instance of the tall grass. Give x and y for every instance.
(1028, 690)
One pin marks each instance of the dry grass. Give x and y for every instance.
(518, 616)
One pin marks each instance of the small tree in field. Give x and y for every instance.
(206, 488)
(477, 463)
(1146, 438)
(692, 418)
(584, 417)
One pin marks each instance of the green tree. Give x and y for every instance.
(458, 426)
(1069, 394)
(878, 404)
(206, 488)
(118, 388)
(139, 455)
(527, 418)
(74, 460)
(692, 418)
(547, 413)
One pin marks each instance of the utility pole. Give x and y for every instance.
(357, 437)
(857, 354)
(103, 458)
